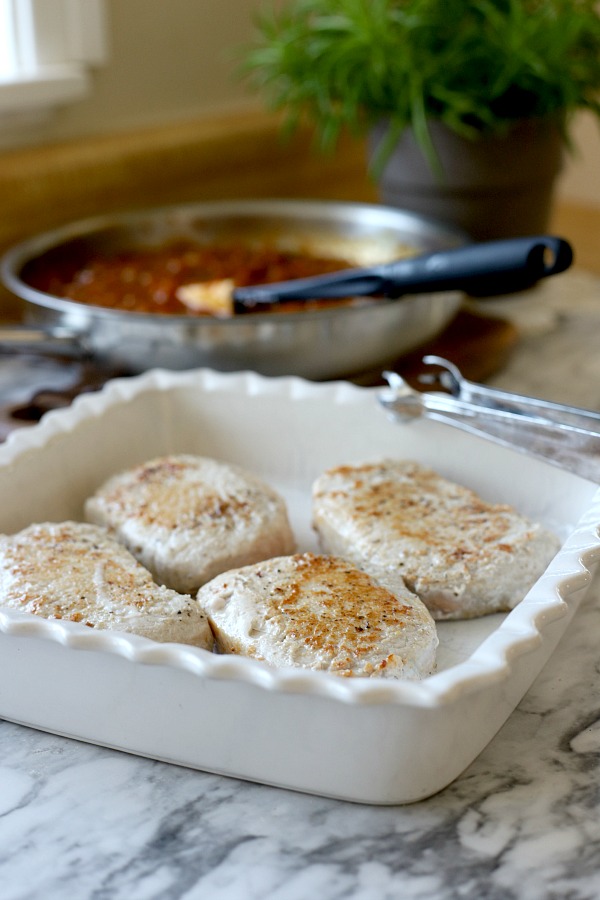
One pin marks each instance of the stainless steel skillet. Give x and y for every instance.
(324, 343)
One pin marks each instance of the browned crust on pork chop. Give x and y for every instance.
(78, 572)
(463, 556)
(320, 612)
(187, 518)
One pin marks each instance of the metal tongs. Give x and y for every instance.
(565, 436)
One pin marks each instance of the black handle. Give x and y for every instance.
(492, 267)
(484, 269)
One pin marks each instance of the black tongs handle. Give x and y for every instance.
(488, 268)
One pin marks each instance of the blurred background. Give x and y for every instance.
(152, 110)
(175, 62)
(163, 62)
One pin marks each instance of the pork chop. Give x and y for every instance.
(188, 518)
(76, 571)
(319, 612)
(462, 556)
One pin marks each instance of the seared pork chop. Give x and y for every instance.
(188, 518)
(75, 571)
(462, 556)
(322, 613)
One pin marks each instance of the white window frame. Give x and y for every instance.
(47, 49)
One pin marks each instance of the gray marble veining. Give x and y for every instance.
(79, 821)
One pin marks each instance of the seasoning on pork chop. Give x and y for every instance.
(462, 556)
(75, 571)
(322, 613)
(188, 518)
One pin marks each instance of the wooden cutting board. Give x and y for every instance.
(477, 343)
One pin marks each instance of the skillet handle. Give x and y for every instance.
(484, 269)
(16, 339)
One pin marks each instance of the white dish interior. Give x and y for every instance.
(370, 740)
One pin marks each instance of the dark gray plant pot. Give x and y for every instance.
(495, 187)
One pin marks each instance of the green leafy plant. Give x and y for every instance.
(478, 66)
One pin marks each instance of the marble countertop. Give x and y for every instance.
(79, 821)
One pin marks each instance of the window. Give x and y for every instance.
(46, 50)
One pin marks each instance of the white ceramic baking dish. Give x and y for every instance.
(370, 740)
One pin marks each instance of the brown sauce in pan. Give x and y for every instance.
(146, 280)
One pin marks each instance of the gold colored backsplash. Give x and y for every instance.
(218, 158)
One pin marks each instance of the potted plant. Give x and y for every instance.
(467, 103)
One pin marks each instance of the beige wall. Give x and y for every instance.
(173, 60)
(168, 60)
(580, 180)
